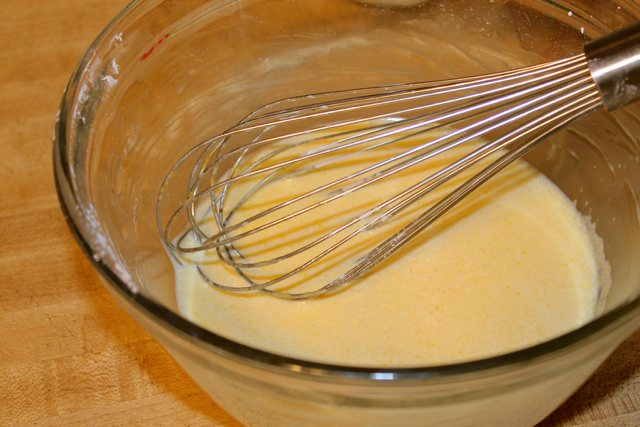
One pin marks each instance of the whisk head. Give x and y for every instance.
(309, 193)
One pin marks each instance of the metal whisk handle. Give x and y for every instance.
(614, 62)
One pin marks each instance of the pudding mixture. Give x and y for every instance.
(513, 265)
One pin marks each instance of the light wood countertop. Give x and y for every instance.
(69, 356)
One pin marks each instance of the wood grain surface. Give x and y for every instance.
(69, 356)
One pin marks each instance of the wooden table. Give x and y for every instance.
(69, 356)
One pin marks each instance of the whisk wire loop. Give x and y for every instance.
(299, 136)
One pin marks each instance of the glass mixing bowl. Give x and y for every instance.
(165, 75)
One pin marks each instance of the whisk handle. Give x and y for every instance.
(614, 62)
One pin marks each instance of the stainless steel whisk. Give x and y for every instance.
(514, 111)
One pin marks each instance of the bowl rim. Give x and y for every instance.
(217, 344)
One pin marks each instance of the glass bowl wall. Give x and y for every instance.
(165, 75)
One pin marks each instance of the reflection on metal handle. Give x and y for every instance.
(614, 61)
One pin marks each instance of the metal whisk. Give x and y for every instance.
(401, 127)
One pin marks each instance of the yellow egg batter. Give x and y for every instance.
(514, 265)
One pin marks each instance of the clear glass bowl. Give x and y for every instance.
(164, 75)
